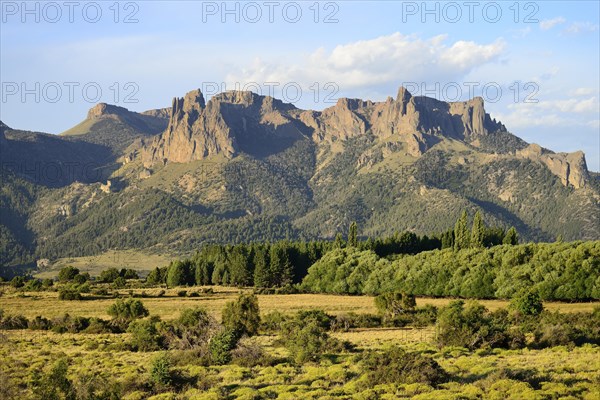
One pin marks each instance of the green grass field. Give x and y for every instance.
(551, 373)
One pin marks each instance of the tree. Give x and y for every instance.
(179, 273)
(511, 237)
(67, 274)
(478, 231)
(353, 235)
(240, 267)
(157, 276)
(281, 269)
(461, 232)
(448, 239)
(262, 275)
(339, 241)
(203, 272)
(242, 315)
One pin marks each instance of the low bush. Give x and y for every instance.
(248, 353)
(396, 366)
(13, 322)
(145, 335)
(242, 315)
(40, 323)
(220, 346)
(68, 293)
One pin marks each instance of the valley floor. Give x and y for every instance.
(552, 373)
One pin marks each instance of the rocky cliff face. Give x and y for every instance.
(197, 130)
(571, 168)
(234, 122)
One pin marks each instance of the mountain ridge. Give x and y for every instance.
(243, 167)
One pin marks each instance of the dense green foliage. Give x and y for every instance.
(569, 271)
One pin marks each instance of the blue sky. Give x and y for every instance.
(542, 56)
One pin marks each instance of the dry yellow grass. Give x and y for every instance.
(168, 307)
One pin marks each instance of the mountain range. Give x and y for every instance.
(243, 167)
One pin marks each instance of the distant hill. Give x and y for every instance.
(245, 167)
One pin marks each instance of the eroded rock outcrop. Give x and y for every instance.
(571, 168)
(234, 122)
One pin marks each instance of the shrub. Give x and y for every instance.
(109, 275)
(119, 282)
(95, 386)
(392, 304)
(125, 311)
(273, 321)
(160, 371)
(249, 353)
(39, 323)
(220, 346)
(97, 325)
(242, 315)
(395, 366)
(13, 322)
(66, 323)
(81, 278)
(66, 274)
(69, 293)
(54, 384)
(17, 282)
(191, 330)
(46, 283)
(472, 326)
(306, 336)
(145, 335)
(182, 293)
(33, 285)
(527, 302)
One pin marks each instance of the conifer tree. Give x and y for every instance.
(511, 237)
(478, 231)
(461, 232)
(262, 277)
(353, 235)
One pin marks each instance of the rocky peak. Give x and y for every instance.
(106, 110)
(403, 98)
(185, 110)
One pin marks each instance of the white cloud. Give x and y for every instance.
(582, 91)
(581, 27)
(383, 60)
(551, 23)
(521, 33)
(566, 112)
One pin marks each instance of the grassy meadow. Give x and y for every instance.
(168, 305)
(551, 373)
